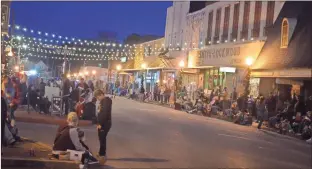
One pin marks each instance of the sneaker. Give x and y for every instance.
(102, 159)
(309, 141)
(92, 160)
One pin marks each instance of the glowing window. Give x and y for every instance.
(284, 34)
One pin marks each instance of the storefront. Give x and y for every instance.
(284, 65)
(286, 82)
(224, 65)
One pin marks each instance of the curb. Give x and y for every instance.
(36, 163)
(46, 146)
(15, 162)
(275, 134)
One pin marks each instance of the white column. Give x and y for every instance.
(263, 18)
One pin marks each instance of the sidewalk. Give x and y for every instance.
(34, 117)
(18, 156)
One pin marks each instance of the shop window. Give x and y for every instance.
(284, 33)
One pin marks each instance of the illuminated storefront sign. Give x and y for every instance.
(123, 59)
(228, 69)
(225, 55)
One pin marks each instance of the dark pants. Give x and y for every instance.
(155, 97)
(66, 103)
(12, 112)
(260, 118)
(102, 133)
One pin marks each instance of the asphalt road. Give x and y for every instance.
(150, 136)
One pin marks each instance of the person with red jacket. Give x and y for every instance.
(12, 94)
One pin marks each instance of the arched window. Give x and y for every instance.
(284, 33)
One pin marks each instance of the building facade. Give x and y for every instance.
(284, 65)
(220, 37)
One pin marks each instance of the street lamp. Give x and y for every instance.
(86, 73)
(143, 65)
(249, 61)
(93, 72)
(16, 68)
(181, 64)
(10, 53)
(118, 67)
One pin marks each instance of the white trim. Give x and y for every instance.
(294, 73)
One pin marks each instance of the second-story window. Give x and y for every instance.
(209, 30)
(284, 34)
(246, 20)
(217, 27)
(226, 23)
(257, 18)
(269, 16)
(235, 22)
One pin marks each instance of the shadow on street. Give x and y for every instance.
(150, 160)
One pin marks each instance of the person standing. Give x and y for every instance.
(12, 95)
(66, 94)
(172, 97)
(261, 108)
(42, 88)
(271, 104)
(155, 92)
(104, 120)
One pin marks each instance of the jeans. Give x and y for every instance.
(162, 98)
(260, 118)
(102, 133)
(12, 111)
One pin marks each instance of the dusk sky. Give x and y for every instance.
(86, 19)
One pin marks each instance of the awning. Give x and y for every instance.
(289, 81)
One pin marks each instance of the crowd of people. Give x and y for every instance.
(83, 100)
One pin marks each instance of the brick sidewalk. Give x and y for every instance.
(34, 117)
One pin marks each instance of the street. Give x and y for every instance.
(145, 135)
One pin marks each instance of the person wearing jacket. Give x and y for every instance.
(67, 137)
(12, 95)
(261, 109)
(70, 137)
(104, 120)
